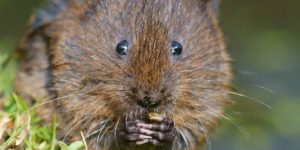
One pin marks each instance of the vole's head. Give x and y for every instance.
(126, 58)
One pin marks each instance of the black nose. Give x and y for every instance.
(148, 101)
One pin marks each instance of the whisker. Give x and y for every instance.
(71, 129)
(100, 131)
(49, 101)
(86, 117)
(206, 135)
(182, 135)
(233, 93)
(115, 131)
(201, 88)
(126, 119)
(239, 126)
(69, 82)
(173, 145)
(208, 83)
(251, 98)
(264, 88)
(93, 132)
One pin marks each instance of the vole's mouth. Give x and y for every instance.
(148, 104)
(136, 114)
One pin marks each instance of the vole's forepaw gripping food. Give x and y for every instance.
(160, 131)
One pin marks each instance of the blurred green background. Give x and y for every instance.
(264, 41)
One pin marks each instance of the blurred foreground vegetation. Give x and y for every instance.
(263, 40)
(20, 128)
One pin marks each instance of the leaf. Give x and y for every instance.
(78, 145)
(43, 146)
(21, 104)
(63, 146)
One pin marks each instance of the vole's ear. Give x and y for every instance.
(211, 5)
(32, 52)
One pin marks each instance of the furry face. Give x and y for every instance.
(113, 62)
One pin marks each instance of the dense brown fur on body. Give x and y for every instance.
(69, 57)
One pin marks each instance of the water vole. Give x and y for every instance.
(128, 74)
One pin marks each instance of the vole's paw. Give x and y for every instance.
(132, 134)
(160, 131)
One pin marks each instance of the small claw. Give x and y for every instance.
(165, 137)
(161, 136)
(132, 129)
(134, 136)
(155, 142)
(158, 127)
(142, 142)
(152, 141)
(146, 131)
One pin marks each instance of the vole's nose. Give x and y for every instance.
(148, 101)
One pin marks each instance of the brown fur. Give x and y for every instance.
(71, 59)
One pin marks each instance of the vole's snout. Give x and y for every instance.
(148, 101)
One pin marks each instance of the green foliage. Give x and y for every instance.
(7, 67)
(20, 127)
(25, 131)
(74, 146)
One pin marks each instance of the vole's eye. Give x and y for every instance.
(176, 48)
(122, 48)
